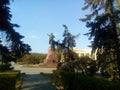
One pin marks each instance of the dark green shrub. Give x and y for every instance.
(75, 81)
(57, 79)
(92, 83)
(85, 65)
(8, 80)
(68, 81)
(5, 66)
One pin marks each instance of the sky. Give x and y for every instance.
(38, 18)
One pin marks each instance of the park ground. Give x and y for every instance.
(34, 79)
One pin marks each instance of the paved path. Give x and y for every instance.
(36, 82)
(33, 70)
(33, 80)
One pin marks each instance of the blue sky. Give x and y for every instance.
(38, 18)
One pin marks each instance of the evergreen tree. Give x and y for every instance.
(103, 23)
(68, 44)
(69, 39)
(13, 46)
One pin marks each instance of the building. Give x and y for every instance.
(84, 52)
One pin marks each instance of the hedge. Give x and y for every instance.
(8, 80)
(73, 81)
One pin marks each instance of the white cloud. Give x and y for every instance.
(34, 36)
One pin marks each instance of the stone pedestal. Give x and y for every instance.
(51, 57)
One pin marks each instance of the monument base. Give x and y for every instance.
(51, 58)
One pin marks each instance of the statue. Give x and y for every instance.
(52, 54)
(51, 41)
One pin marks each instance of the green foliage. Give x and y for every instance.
(69, 55)
(65, 49)
(69, 39)
(5, 66)
(57, 79)
(104, 31)
(59, 53)
(84, 65)
(118, 3)
(72, 81)
(69, 58)
(15, 48)
(107, 65)
(7, 83)
(88, 66)
(8, 80)
(33, 58)
(68, 44)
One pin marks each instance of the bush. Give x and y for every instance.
(7, 83)
(57, 79)
(33, 58)
(85, 65)
(92, 83)
(8, 80)
(73, 81)
(5, 66)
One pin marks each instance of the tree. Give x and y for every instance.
(13, 48)
(103, 23)
(68, 44)
(33, 58)
(68, 40)
(118, 3)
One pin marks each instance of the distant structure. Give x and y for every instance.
(84, 52)
(52, 58)
(52, 55)
(51, 41)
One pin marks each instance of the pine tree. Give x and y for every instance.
(103, 23)
(68, 44)
(69, 39)
(13, 46)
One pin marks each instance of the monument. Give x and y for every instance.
(51, 58)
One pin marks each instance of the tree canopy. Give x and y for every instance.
(11, 44)
(104, 31)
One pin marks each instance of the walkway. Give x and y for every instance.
(36, 82)
(33, 80)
